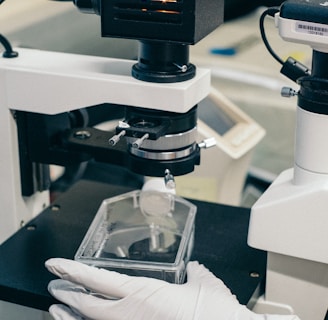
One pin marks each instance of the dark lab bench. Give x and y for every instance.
(220, 244)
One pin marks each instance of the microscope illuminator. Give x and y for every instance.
(165, 30)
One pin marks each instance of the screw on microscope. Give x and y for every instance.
(288, 92)
(169, 179)
(82, 134)
(55, 208)
(138, 142)
(183, 68)
(254, 274)
(116, 138)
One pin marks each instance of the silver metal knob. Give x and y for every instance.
(288, 92)
(116, 138)
(137, 144)
(207, 143)
(169, 180)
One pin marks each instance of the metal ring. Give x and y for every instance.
(169, 142)
(161, 156)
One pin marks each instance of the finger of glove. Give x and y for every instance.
(107, 283)
(90, 307)
(61, 312)
(80, 300)
(197, 273)
(212, 287)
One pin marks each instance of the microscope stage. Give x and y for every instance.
(220, 244)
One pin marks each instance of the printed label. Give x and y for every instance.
(312, 28)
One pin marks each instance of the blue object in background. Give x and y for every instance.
(224, 51)
(235, 48)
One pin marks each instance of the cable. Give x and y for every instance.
(291, 68)
(271, 12)
(9, 52)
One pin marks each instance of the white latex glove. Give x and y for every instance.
(87, 290)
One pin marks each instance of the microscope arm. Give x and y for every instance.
(73, 81)
(35, 87)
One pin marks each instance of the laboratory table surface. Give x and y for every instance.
(220, 244)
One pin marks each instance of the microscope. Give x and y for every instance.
(290, 219)
(47, 97)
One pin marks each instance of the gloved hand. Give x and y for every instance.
(98, 294)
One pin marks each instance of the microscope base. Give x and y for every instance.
(264, 306)
(294, 286)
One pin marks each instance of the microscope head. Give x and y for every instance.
(165, 29)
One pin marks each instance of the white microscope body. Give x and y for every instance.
(290, 220)
(30, 83)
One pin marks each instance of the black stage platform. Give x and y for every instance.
(220, 244)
